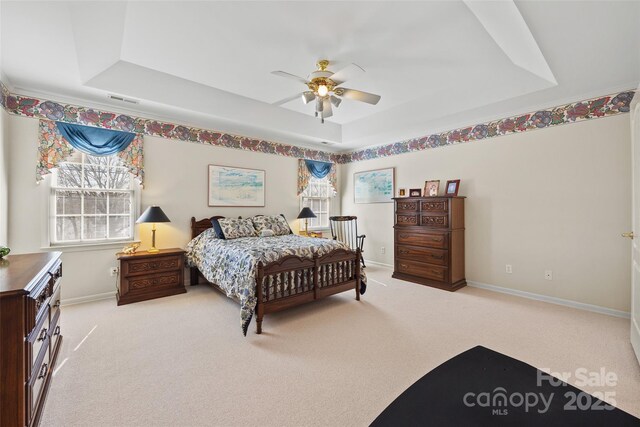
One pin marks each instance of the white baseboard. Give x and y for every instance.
(552, 300)
(88, 298)
(368, 261)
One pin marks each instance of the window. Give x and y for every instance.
(92, 201)
(317, 197)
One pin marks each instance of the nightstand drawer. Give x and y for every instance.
(153, 265)
(155, 281)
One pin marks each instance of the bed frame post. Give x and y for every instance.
(260, 303)
(358, 278)
(316, 275)
(193, 276)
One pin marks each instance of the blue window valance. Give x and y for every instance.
(95, 141)
(318, 169)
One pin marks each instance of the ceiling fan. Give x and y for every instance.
(324, 88)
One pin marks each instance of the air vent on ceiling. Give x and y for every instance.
(121, 99)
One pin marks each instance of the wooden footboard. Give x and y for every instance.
(293, 280)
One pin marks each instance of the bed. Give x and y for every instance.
(269, 274)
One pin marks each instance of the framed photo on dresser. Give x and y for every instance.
(452, 187)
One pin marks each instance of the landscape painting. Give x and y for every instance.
(229, 186)
(375, 186)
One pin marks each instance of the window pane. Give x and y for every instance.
(95, 227)
(119, 203)
(68, 202)
(95, 176)
(119, 226)
(67, 228)
(119, 178)
(69, 175)
(95, 203)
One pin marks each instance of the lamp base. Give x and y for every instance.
(153, 250)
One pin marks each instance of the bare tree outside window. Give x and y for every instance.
(92, 200)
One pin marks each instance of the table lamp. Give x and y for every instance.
(305, 214)
(153, 214)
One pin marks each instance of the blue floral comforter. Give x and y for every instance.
(231, 264)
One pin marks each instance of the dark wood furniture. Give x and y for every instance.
(345, 230)
(429, 241)
(292, 280)
(146, 275)
(30, 337)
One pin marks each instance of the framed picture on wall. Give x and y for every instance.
(452, 187)
(431, 188)
(374, 186)
(239, 187)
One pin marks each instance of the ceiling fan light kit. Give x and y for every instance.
(323, 87)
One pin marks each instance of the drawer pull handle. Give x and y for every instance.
(57, 330)
(57, 304)
(43, 334)
(43, 371)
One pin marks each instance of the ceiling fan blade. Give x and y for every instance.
(308, 96)
(290, 76)
(326, 108)
(357, 95)
(335, 101)
(348, 72)
(288, 99)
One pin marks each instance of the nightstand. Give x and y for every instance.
(311, 234)
(146, 275)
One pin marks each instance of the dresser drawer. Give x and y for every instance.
(155, 281)
(39, 301)
(435, 220)
(35, 386)
(436, 205)
(430, 240)
(416, 253)
(36, 343)
(407, 219)
(54, 302)
(155, 264)
(409, 205)
(422, 270)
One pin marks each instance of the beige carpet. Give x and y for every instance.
(183, 361)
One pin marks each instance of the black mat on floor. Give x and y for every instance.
(481, 387)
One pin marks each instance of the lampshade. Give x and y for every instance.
(153, 214)
(306, 213)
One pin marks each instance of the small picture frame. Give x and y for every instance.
(402, 192)
(452, 187)
(415, 192)
(431, 188)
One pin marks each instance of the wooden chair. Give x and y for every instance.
(345, 229)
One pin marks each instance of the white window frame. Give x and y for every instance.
(133, 190)
(319, 227)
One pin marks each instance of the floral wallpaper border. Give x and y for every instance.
(603, 106)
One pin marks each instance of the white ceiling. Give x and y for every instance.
(437, 65)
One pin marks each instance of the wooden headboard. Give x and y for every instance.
(198, 227)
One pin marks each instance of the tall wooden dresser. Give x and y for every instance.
(30, 336)
(429, 241)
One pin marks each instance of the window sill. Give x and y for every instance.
(83, 247)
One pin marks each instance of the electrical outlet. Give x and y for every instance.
(509, 269)
(548, 275)
(382, 250)
(113, 271)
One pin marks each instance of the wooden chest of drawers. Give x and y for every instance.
(146, 275)
(429, 241)
(30, 337)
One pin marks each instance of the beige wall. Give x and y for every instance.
(176, 180)
(554, 199)
(4, 176)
